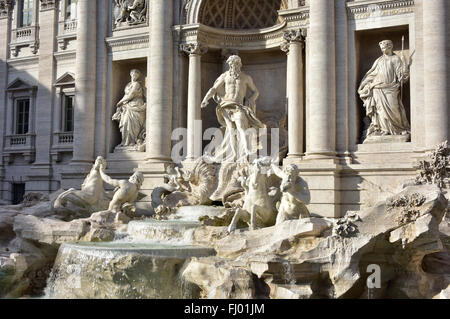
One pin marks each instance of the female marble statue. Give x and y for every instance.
(380, 90)
(131, 112)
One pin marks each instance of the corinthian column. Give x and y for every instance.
(159, 118)
(322, 106)
(293, 46)
(85, 79)
(194, 127)
(436, 96)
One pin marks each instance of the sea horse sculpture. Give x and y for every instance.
(91, 198)
(194, 188)
(259, 209)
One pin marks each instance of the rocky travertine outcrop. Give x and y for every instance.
(30, 236)
(307, 259)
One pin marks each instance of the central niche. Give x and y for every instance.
(241, 14)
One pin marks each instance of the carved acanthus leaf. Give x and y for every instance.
(197, 48)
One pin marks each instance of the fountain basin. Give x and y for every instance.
(165, 230)
(123, 270)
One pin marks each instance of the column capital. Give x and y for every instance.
(292, 36)
(196, 48)
(48, 5)
(5, 8)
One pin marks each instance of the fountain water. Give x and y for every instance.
(144, 262)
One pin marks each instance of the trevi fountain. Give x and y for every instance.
(239, 217)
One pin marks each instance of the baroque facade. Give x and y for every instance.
(65, 77)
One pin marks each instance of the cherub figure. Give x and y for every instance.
(290, 206)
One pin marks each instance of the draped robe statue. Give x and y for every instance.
(381, 92)
(131, 113)
(237, 117)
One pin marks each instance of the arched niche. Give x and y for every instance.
(235, 14)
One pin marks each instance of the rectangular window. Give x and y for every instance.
(69, 101)
(71, 9)
(22, 116)
(18, 192)
(25, 12)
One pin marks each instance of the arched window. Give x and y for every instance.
(241, 14)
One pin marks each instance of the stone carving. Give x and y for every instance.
(409, 205)
(291, 205)
(229, 91)
(185, 188)
(289, 36)
(125, 194)
(194, 48)
(346, 227)
(436, 169)
(259, 208)
(178, 180)
(381, 92)
(5, 8)
(131, 12)
(48, 5)
(131, 114)
(91, 198)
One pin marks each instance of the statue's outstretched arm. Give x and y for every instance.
(277, 171)
(107, 179)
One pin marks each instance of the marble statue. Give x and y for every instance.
(178, 180)
(126, 192)
(259, 208)
(381, 92)
(131, 113)
(235, 112)
(92, 197)
(130, 11)
(291, 205)
(185, 188)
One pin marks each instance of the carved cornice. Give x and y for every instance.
(48, 5)
(380, 8)
(241, 40)
(5, 8)
(297, 17)
(117, 43)
(196, 48)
